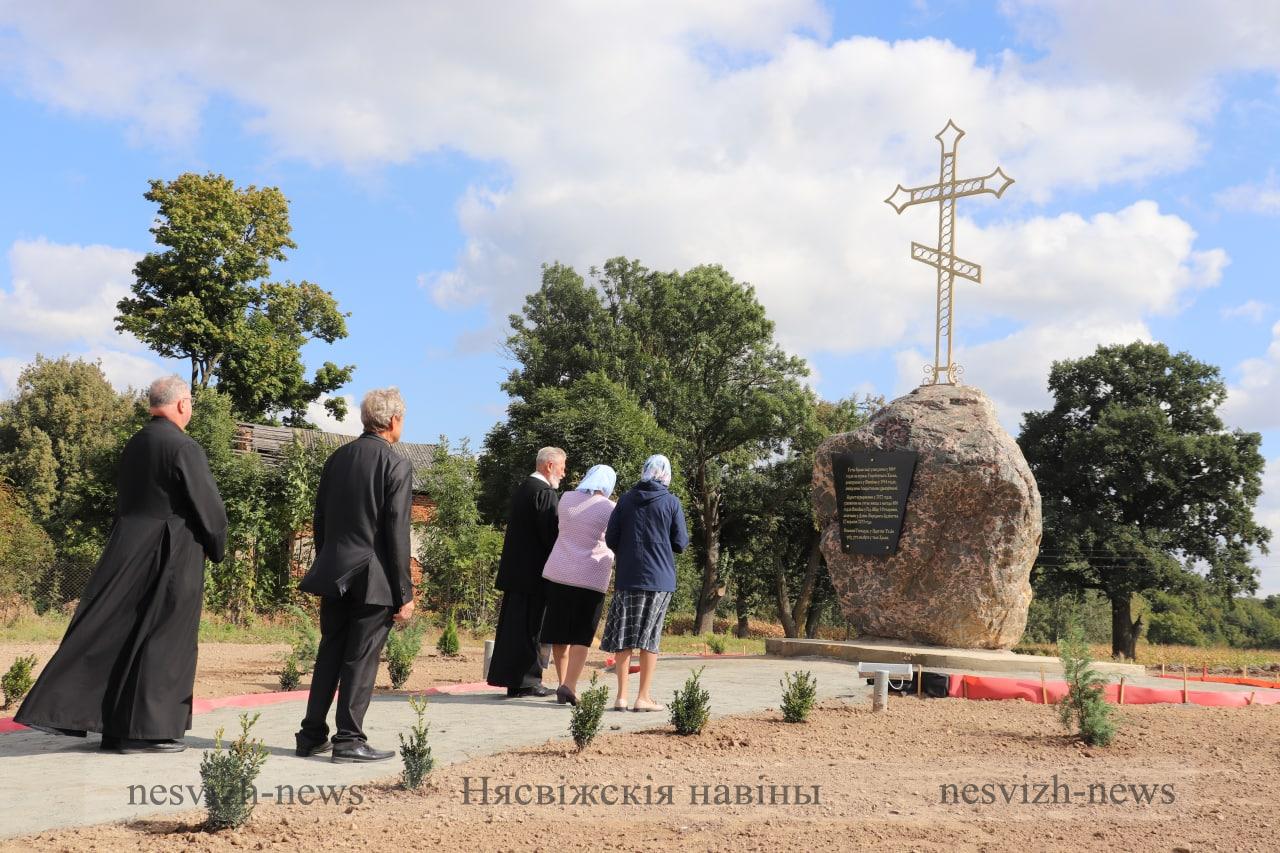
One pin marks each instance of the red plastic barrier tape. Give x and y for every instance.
(990, 687)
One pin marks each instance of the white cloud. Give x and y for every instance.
(1251, 404)
(320, 416)
(1159, 45)
(65, 292)
(1262, 197)
(1250, 309)
(677, 133)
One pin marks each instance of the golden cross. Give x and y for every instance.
(944, 258)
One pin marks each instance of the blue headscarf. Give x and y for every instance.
(657, 467)
(600, 478)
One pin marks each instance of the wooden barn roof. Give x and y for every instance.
(269, 443)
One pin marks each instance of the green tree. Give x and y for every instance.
(1141, 482)
(459, 554)
(203, 298)
(26, 551)
(770, 537)
(695, 349)
(60, 440)
(594, 419)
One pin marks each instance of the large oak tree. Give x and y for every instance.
(1142, 484)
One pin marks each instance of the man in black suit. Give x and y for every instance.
(532, 525)
(127, 664)
(361, 573)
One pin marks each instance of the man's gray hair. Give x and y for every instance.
(549, 454)
(379, 407)
(166, 390)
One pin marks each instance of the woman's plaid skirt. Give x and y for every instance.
(635, 620)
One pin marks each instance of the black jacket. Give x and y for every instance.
(363, 511)
(532, 525)
(646, 531)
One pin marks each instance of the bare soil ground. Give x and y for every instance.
(881, 780)
(231, 669)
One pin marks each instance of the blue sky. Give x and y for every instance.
(435, 154)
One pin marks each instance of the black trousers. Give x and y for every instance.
(517, 646)
(352, 635)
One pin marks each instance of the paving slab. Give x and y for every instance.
(47, 782)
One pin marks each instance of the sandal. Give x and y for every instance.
(619, 706)
(649, 706)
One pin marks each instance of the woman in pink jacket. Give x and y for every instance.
(577, 575)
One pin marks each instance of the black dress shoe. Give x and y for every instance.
(564, 694)
(54, 730)
(132, 746)
(358, 751)
(308, 747)
(536, 690)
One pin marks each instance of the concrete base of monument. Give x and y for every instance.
(932, 657)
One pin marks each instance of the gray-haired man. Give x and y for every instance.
(361, 573)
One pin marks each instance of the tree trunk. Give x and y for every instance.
(712, 590)
(783, 603)
(811, 624)
(1124, 628)
(743, 609)
(800, 613)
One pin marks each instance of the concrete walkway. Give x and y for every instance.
(48, 781)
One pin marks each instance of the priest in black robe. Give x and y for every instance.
(127, 664)
(532, 525)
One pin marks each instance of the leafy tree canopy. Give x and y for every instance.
(204, 298)
(1141, 481)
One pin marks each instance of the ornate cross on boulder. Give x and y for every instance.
(943, 258)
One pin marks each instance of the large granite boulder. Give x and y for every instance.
(969, 536)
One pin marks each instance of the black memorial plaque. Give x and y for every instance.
(871, 497)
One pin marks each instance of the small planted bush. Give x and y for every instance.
(691, 706)
(17, 682)
(290, 675)
(415, 750)
(799, 692)
(716, 642)
(1084, 708)
(228, 777)
(403, 645)
(586, 716)
(308, 640)
(448, 643)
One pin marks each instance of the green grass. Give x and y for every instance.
(688, 644)
(1195, 657)
(49, 627)
(30, 628)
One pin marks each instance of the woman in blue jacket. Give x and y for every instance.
(646, 531)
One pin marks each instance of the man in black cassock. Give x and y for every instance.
(361, 572)
(127, 664)
(532, 525)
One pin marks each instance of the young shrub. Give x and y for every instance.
(228, 777)
(1084, 705)
(448, 644)
(799, 692)
(415, 750)
(715, 642)
(290, 675)
(17, 681)
(403, 645)
(586, 716)
(691, 706)
(308, 640)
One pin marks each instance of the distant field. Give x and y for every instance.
(1216, 658)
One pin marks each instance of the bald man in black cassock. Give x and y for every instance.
(127, 664)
